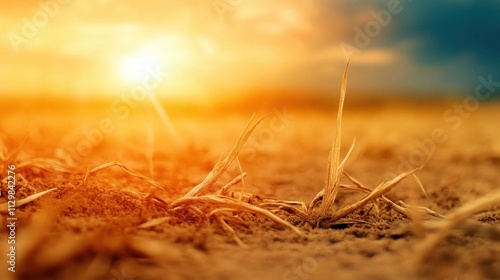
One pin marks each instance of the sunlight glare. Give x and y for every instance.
(134, 67)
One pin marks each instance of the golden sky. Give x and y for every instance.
(206, 48)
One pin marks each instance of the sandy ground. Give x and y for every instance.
(90, 231)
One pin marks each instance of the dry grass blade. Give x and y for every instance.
(399, 206)
(155, 222)
(287, 202)
(124, 168)
(377, 192)
(242, 179)
(134, 193)
(316, 199)
(181, 210)
(219, 211)
(221, 166)
(349, 152)
(420, 184)
(162, 113)
(422, 210)
(11, 156)
(231, 231)
(452, 220)
(333, 168)
(320, 195)
(4, 206)
(286, 207)
(150, 148)
(48, 164)
(402, 207)
(225, 190)
(226, 202)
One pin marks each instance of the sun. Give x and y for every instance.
(135, 67)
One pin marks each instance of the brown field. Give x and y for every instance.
(90, 229)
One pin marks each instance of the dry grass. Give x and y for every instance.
(21, 202)
(222, 165)
(334, 168)
(48, 164)
(124, 168)
(206, 203)
(451, 221)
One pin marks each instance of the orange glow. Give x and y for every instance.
(97, 48)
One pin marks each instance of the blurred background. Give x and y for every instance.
(210, 52)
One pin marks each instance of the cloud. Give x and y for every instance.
(429, 46)
(444, 33)
(447, 29)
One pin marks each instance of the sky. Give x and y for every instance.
(209, 49)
